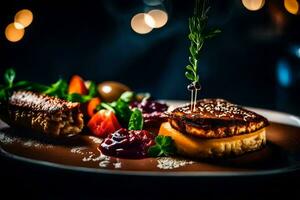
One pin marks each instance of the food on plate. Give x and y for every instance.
(135, 141)
(92, 106)
(103, 122)
(215, 118)
(216, 128)
(77, 86)
(210, 128)
(127, 143)
(36, 103)
(46, 114)
(110, 91)
(128, 123)
(133, 125)
(153, 113)
(130, 142)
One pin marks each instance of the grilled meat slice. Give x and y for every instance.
(216, 118)
(42, 113)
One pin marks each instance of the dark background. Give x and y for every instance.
(253, 62)
(94, 39)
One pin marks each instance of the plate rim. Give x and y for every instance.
(101, 171)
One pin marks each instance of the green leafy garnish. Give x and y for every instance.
(2, 95)
(9, 77)
(5, 90)
(93, 89)
(120, 107)
(164, 147)
(83, 98)
(127, 96)
(136, 120)
(106, 106)
(58, 89)
(123, 111)
(197, 36)
(78, 98)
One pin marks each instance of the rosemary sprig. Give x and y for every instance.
(197, 36)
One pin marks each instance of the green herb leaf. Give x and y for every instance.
(106, 106)
(189, 67)
(136, 120)
(154, 151)
(3, 95)
(31, 86)
(93, 89)
(189, 76)
(197, 36)
(58, 89)
(123, 112)
(9, 77)
(164, 147)
(74, 97)
(120, 108)
(22, 84)
(212, 33)
(127, 96)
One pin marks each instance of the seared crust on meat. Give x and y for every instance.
(49, 115)
(216, 118)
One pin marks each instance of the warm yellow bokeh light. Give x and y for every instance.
(24, 17)
(18, 25)
(149, 20)
(292, 6)
(253, 5)
(12, 34)
(139, 25)
(160, 17)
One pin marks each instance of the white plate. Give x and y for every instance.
(272, 116)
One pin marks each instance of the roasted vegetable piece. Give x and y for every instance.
(103, 123)
(110, 90)
(77, 86)
(92, 105)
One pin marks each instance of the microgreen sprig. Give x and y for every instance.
(164, 146)
(197, 36)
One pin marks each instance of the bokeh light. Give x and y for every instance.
(153, 2)
(13, 34)
(18, 25)
(253, 5)
(23, 17)
(150, 21)
(292, 6)
(139, 25)
(283, 73)
(160, 17)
